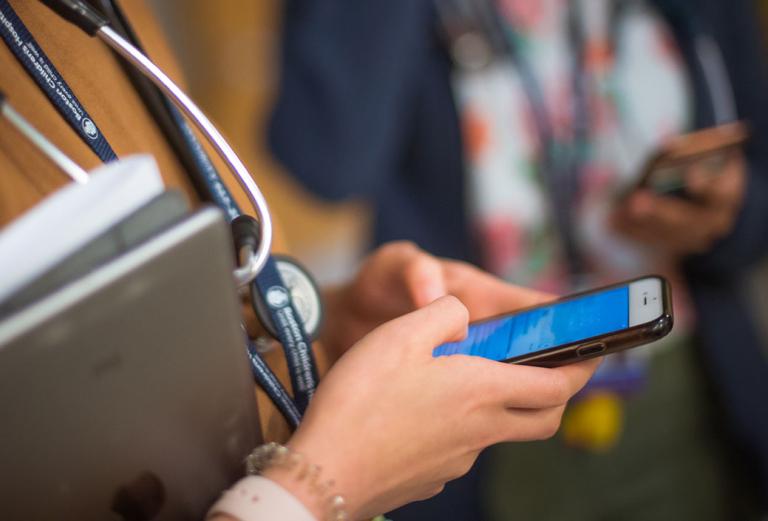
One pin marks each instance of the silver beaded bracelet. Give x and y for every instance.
(276, 455)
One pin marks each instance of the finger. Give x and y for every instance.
(696, 237)
(444, 320)
(459, 465)
(427, 491)
(578, 374)
(664, 211)
(635, 220)
(520, 424)
(638, 205)
(400, 277)
(486, 295)
(424, 279)
(723, 188)
(677, 224)
(700, 180)
(504, 425)
(511, 386)
(664, 240)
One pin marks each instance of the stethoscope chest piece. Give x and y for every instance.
(303, 291)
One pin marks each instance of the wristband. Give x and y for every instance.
(274, 455)
(255, 498)
(243, 501)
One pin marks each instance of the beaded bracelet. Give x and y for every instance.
(276, 455)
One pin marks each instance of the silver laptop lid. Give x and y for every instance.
(128, 395)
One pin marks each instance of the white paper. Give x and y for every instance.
(72, 217)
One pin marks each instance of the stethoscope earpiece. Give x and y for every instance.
(79, 13)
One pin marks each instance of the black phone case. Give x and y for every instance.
(604, 344)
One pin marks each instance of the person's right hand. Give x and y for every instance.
(391, 424)
(679, 227)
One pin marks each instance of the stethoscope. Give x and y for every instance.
(475, 37)
(253, 237)
(94, 24)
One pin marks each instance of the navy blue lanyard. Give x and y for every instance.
(272, 386)
(285, 317)
(290, 329)
(561, 167)
(39, 67)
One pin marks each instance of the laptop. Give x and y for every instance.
(158, 214)
(128, 394)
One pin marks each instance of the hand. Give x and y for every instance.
(680, 227)
(399, 278)
(391, 424)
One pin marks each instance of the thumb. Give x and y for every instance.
(444, 320)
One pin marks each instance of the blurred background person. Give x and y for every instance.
(236, 86)
(513, 134)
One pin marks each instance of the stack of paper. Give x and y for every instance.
(73, 217)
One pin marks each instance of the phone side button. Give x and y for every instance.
(591, 349)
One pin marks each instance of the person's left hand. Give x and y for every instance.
(678, 227)
(399, 278)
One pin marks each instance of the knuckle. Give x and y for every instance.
(462, 312)
(436, 490)
(550, 425)
(463, 470)
(429, 492)
(454, 306)
(487, 438)
(398, 249)
(547, 432)
(463, 466)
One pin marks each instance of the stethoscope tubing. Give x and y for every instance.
(245, 274)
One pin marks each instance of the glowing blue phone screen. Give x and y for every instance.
(543, 328)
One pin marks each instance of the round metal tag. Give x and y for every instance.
(304, 293)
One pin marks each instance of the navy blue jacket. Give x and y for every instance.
(366, 110)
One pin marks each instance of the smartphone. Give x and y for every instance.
(710, 148)
(574, 328)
